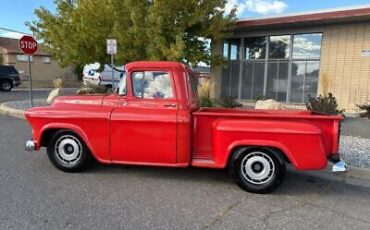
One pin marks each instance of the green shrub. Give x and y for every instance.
(229, 102)
(365, 107)
(326, 104)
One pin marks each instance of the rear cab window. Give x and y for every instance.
(192, 85)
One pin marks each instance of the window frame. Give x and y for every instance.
(169, 73)
(290, 59)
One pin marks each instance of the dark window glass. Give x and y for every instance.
(307, 45)
(230, 80)
(152, 85)
(193, 84)
(253, 79)
(234, 49)
(277, 80)
(255, 48)
(8, 70)
(279, 47)
(304, 80)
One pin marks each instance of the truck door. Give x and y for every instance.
(144, 125)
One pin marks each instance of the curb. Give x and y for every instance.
(5, 109)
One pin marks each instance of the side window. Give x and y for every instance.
(193, 84)
(152, 85)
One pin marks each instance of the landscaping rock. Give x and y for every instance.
(268, 104)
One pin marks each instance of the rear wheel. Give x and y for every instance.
(257, 170)
(68, 152)
(6, 86)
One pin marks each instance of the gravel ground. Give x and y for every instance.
(355, 151)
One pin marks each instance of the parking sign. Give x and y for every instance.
(111, 46)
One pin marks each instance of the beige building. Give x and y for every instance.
(289, 57)
(44, 68)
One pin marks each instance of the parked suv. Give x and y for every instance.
(9, 77)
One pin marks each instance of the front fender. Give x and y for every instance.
(73, 128)
(300, 142)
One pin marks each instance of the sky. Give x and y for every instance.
(14, 13)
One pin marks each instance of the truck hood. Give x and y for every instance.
(79, 100)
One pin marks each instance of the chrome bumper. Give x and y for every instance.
(30, 145)
(339, 166)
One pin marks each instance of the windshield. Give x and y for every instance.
(121, 88)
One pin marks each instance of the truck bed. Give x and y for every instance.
(265, 125)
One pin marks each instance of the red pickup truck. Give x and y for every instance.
(154, 119)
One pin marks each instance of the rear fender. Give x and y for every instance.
(300, 142)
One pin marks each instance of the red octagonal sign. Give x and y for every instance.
(28, 44)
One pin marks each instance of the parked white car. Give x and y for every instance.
(93, 76)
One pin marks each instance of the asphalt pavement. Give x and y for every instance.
(23, 94)
(35, 195)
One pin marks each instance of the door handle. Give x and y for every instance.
(170, 105)
(124, 103)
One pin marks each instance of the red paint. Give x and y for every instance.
(28, 45)
(129, 130)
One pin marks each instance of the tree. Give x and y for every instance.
(173, 30)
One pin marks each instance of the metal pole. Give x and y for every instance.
(29, 71)
(111, 59)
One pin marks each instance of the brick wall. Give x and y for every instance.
(344, 71)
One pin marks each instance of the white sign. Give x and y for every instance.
(365, 53)
(111, 46)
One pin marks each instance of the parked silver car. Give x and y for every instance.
(92, 75)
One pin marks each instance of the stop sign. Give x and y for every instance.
(28, 45)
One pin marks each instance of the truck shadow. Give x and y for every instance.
(296, 183)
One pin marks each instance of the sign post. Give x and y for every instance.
(29, 46)
(112, 49)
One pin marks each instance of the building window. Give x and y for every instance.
(288, 73)
(231, 49)
(255, 48)
(226, 50)
(279, 47)
(22, 57)
(46, 60)
(307, 46)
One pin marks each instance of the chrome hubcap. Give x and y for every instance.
(68, 149)
(257, 167)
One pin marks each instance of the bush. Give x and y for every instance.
(229, 102)
(365, 107)
(204, 92)
(326, 104)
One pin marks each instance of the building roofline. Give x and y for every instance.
(308, 16)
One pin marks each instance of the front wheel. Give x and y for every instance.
(257, 170)
(68, 152)
(6, 86)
